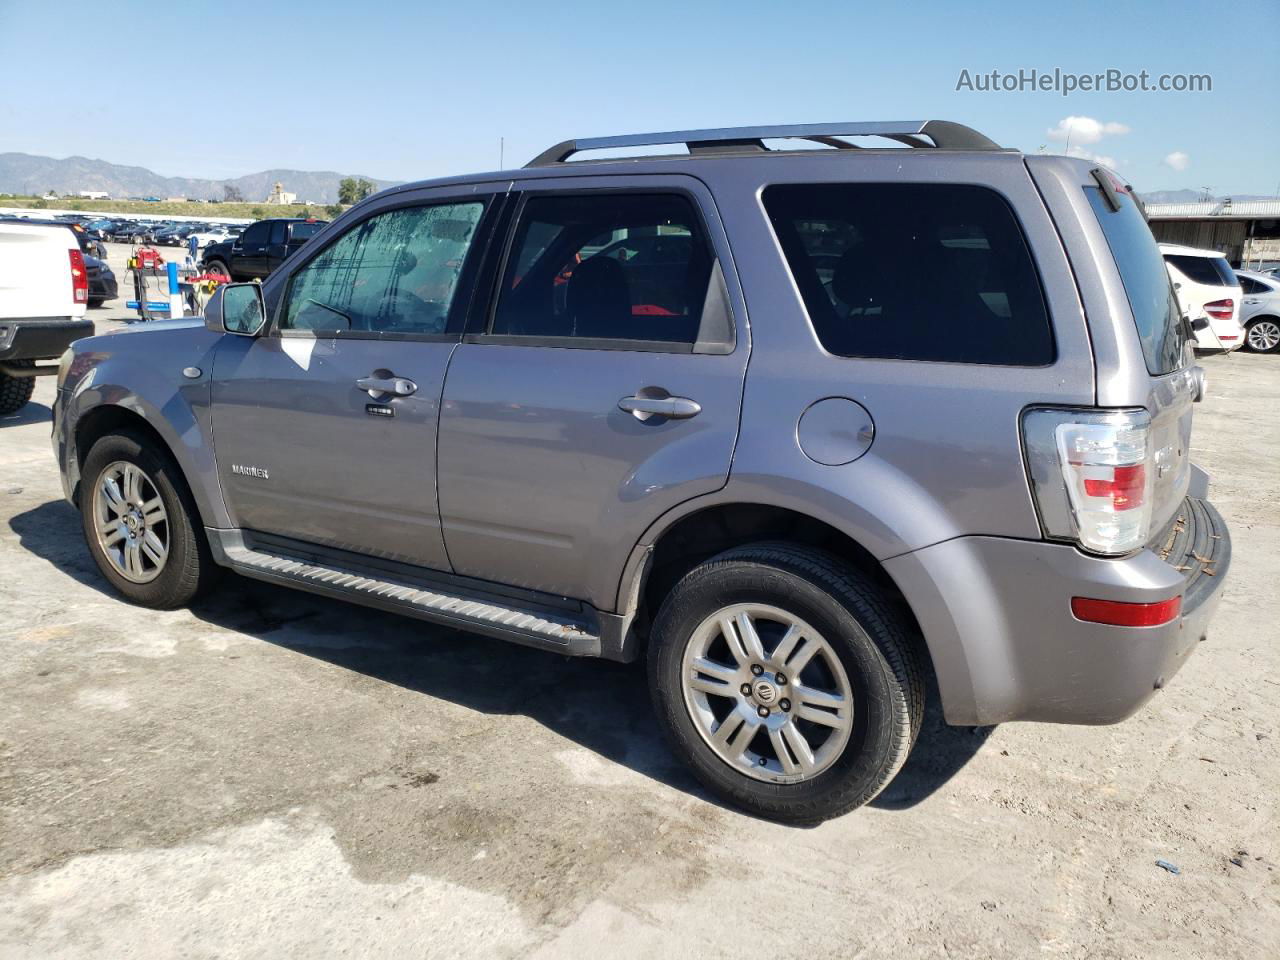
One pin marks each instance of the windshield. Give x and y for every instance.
(1146, 281)
(305, 231)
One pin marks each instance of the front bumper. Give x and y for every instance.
(40, 338)
(1005, 646)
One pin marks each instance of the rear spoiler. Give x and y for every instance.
(1112, 188)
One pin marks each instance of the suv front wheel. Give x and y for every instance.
(786, 681)
(141, 524)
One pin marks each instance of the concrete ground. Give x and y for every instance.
(275, 775)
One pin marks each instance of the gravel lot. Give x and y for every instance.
(277, 775)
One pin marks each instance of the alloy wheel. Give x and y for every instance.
(767, 693)
(130, 522)
(1264, 335)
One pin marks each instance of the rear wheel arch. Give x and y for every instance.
(662, 559)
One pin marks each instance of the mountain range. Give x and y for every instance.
(29, 174)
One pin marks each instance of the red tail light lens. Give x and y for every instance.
(79, 278)
(1220, 309)
(1125, 487)
(1117, 614)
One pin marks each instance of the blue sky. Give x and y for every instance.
(404, 90)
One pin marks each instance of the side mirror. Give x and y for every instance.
(1200, 323)
(243, 311)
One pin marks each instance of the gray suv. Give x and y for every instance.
(797, 422)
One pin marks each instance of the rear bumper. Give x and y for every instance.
(997, 618)
(40, 338)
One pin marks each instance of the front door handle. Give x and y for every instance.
(396, 386)
(676, 408)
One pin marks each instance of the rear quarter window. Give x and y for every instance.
(936, 272)
(1146, 281)
(1211, 271)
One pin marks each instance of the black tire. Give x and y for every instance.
(15, 392)
(217, 266)
(189, 569)
(867, 634)
(96, 303)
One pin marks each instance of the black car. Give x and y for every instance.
(102, 281)
(261, 248)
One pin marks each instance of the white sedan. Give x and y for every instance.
(1260, 311)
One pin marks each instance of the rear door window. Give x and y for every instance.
(305, 230)
(606, 267)
(1211, 271)
(935, 272)
(1146, 281)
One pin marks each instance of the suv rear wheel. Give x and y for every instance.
(786, 681)
(15, 392)
(141, 524)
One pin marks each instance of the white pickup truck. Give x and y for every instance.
(44, 290)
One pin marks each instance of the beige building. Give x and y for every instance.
(1248, 233)
(280, 197)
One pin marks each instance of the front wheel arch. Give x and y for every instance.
(108, 419)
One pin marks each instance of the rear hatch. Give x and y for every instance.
(1170, 386)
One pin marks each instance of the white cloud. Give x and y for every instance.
(1083, 154)
(1085, 130)
(1177, 160)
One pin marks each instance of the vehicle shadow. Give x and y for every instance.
(31, 413)
(602, 706)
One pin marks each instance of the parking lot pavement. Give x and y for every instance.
(274, 774)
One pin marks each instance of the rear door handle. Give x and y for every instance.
(397, 386)
(676, 408)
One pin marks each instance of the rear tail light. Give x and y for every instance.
(1091, 475)
(79, 278)
(1220, 309)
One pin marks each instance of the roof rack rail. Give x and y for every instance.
(944, 135)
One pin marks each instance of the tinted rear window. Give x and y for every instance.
(913, 272)
(1211, 271)
(305, 231)
(1146, 281)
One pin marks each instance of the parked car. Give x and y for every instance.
(985, 477)
(217, 233)
(44, 289)
(89, 245)
(261, 248)
(102, 281)
(1260, 311)
(1207, 287)
(99, 229)
(126, 231)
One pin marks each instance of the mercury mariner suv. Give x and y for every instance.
(796, 418)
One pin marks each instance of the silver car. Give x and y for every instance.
(1260, 310)
(697, 409)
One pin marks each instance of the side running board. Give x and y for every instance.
(440, 602)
